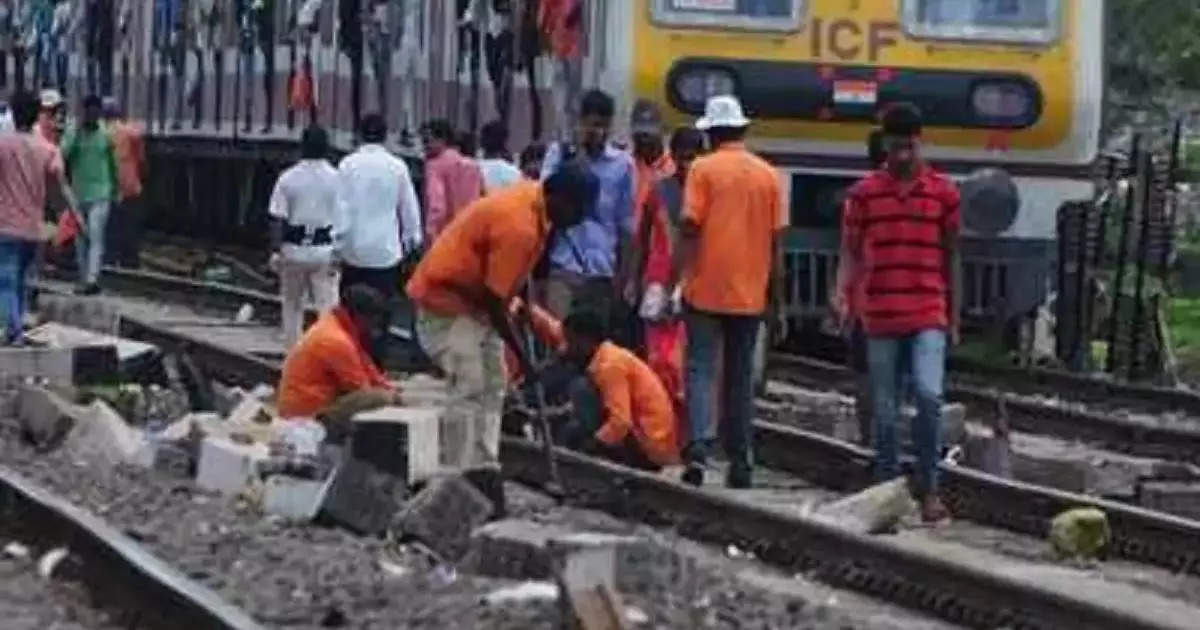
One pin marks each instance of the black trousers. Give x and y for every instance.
(386, 280)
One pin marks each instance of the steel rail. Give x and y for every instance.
(1179, 443)
(122, 576)
(953, 590)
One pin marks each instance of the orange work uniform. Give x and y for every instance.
(634, 401)
(327, 363)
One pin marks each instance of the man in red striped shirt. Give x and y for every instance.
(900, 249)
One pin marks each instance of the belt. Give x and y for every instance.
(300, 235)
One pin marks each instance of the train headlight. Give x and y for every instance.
(694, 85)
(990, 201)
(1005, 103)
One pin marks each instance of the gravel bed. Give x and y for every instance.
(31, 602)
(303, 576)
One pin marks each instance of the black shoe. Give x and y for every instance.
(739, 478)
(694, 474)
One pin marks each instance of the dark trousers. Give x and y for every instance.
(735, 336)
(588, 417)
(125, 229)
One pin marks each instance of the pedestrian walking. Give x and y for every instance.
(51, 116)
(590, 263)
(496, 164)
(304, 210)
(452, 180)
(730, 266)
(900, 242)
(378, 203)
(462, 289)
(129, 148)
(651, 158)
(92, 166)
(31, 179)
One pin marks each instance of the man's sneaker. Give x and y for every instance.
(694, 474)
(933, 511)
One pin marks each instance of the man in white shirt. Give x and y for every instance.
(496, 165)
(383, 221)
(304, 206)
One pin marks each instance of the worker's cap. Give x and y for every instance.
(50, 98)
(722, 111)
(110, 106)
(646, 118)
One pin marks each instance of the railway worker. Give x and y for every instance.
(589, 263)
(378, 204)
(31, 175)
(332, 361)
(452, 180)
(900, 231)
(496, 164)
(91, 161)
(129, 148)
(730, 264)
(462, 289)
(305, 218)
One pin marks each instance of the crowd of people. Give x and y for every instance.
(634, 283)
(59, 186)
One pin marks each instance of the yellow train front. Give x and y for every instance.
(1011, 93)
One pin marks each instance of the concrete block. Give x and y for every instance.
(130, 356)
(518, 549)
(586, 578)
(101, 436)
(985, 451)
(227, 466)
(875, 510)
(89, 313)
(363, 498)
(294, 498)
(1176, 497)
(46, 417)
(54, 365)
(443, 515)
(399, 440)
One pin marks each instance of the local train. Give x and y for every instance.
(1011, 90)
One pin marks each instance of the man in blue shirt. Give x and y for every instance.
(588, 264)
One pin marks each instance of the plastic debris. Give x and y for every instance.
(636, 616)
(244, 314)
(524, 592)
(16, 550)
(50, 561)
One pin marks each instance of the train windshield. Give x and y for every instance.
(1013, 21)
(767, 15)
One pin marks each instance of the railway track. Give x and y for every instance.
(133, 587)
(952, 574)
(1133, 430)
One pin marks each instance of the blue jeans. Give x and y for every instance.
(921, 357)
(89, 246)
(15, 256)
(736, 335)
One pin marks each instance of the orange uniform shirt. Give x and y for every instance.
(327, 363)
(634, 401)
(492, 244)
(733, 196)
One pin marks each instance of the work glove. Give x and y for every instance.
(655, 305)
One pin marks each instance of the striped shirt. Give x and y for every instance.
(898, 231)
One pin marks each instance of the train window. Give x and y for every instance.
(1003, 21)
(754, 15)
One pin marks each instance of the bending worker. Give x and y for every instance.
(462, 288)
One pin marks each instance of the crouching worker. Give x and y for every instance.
(329, 375)
(621, 409)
